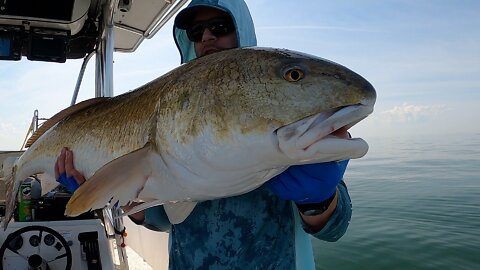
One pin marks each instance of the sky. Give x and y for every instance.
(422, 57)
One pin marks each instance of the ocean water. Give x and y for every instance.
(416, 205)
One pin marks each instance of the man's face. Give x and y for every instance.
(209, 42)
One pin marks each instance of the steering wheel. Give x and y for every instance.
(14, 242)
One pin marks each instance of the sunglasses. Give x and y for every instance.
(219, 27)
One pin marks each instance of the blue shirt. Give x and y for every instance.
(256, 230)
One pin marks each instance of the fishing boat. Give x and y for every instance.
(40, 237)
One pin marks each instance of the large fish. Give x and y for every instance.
(219, 126)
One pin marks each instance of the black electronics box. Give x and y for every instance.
(53, 208)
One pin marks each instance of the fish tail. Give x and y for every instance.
(11, 196)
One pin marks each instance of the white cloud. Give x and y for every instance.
(413, 120)
(411, 113)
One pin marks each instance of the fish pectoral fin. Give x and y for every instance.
(117, 183)
(179, 211)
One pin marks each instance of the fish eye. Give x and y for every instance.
(294, 74)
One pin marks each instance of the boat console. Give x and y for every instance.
(55, 245)
(41, 237)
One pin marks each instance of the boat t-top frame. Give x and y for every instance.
(60, 30)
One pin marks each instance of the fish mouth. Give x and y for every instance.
(306, 136)
(327, 123)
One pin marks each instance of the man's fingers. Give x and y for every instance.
(69, 163)
(78, 177)
(64, 165)
(70, 168)
(60, 164)
(57, 171)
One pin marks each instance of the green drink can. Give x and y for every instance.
(25, 202)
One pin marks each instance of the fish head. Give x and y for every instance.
(252, 112)
(309, 98)
(294, 98)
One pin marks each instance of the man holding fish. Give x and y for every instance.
(265, 228)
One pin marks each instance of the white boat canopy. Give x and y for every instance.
(56, 30)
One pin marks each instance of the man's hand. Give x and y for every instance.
(311, 183)
(65, 172)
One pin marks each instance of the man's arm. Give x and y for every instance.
(316, 185)
(153, 218)
(338, 221)
(317, 222)
(138, 217)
